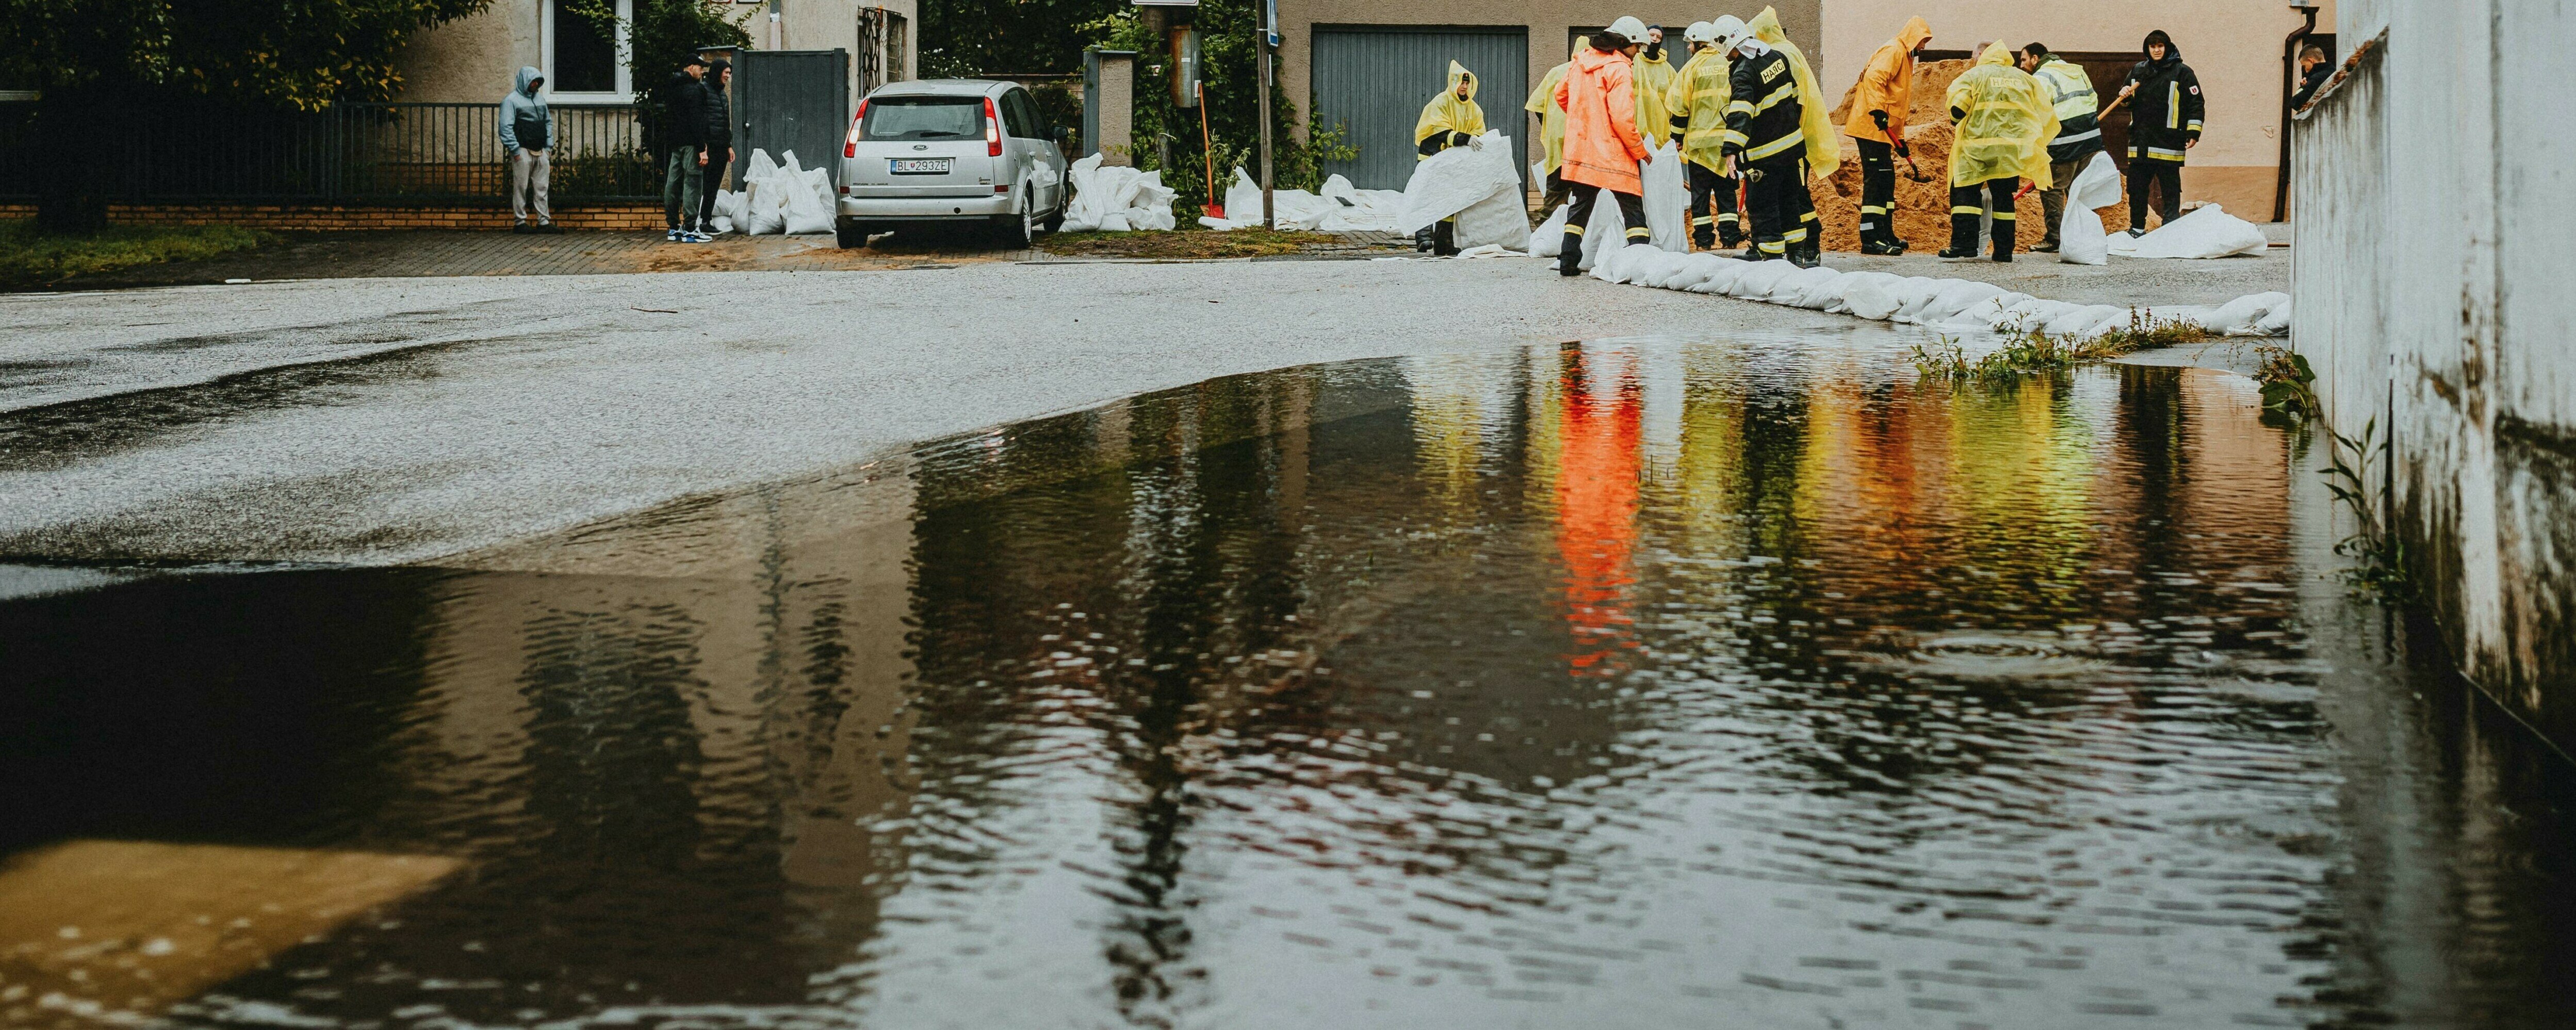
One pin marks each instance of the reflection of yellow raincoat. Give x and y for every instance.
(2005, 123)
(1815, 117)
(1698, 97)
(1448, 113)
(1653, 78)
(1551, 118)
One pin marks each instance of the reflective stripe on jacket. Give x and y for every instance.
(2079, 125)
(1698, 102)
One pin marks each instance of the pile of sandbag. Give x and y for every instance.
(1340, 208)
(777, 199)
(1476, 185)
(1667, 202)
(1118, 199)
(1956, 305)
(2206, 233)
(2081, 240)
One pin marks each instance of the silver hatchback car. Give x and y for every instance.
(951, 150)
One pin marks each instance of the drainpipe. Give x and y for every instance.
(2290, 84)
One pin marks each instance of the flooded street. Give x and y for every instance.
(1655, 683)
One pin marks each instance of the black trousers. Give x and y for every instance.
(1712, 208)
(1556, 193)
(711, 179)
(1632, 213)
(1877, 191)
(2145, 173)
(1968, 202)
(1777, 203)
(1809, 235)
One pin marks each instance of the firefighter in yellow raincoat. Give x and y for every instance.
(1698, 100)
(1551, 127)
(2004, 120)
(1451, 119)
(1653, 77)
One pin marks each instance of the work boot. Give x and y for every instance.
(1800, 257)
(1957, 253)
(1422, 240)
(1569, 256)
(1880, 248)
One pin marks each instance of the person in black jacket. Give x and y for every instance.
(684, 115)
(715, 142)
(2165, 108)
(1766, 143)
(2313, 73)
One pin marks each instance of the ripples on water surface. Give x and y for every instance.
(1618, 685)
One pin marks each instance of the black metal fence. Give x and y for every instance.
(353, 153)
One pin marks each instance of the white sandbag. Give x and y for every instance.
(1840, 302)
(2207, 233)
(1792, 288)
(1090, 195)
(1954, 297)
(1149, 219)
(2088, 320)
(2031, 315)
(764, 199)
(1721, 279)
(1759, 277)
(2080, 237)
(1607, 228)
(1548, 240)
(2238, 317)
(1455, 179)
(1666, 197)
(1499, 220)
(1352, 209)
(2276, 322)
(1912, 295)
(721, 225)
(1115, 221)
(1622, 264)
(1874, 300)
(806, 206)
(1663, 271)
(1243, 201)
(1987, 313)
(1697, 269)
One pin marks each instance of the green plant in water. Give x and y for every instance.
(2028, 351)
(2289, 385)
(2352, 465)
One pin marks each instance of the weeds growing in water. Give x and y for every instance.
(2028, 351)
(2289, 385)
(2352, 466)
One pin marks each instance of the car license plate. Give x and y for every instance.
(921, 165)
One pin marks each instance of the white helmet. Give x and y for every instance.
(1728, 29)
(1700, 32)
(1630, 29)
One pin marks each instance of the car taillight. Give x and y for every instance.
(992, 130)
(850, 145)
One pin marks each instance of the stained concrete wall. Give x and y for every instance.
(1547, 21)
(2432, 272)
(2233, 45)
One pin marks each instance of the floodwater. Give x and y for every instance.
(1624, 684)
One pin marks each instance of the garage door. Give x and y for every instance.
(1375, 79)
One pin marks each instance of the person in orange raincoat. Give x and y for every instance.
(1602, 146)
(1877, 125)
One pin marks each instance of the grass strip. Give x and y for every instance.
(32, 258)
(2033, 352)
(1187, 244)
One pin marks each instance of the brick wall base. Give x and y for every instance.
(335, 216)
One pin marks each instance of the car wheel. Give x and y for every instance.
(1055, 222)
(1020, 231)
(849, 236)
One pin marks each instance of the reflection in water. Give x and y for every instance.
(1615, 684)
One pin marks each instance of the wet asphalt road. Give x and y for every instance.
(383, 421)
(379, 421)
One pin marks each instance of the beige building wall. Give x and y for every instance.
(1548, 21)
(2233, 45)
(475, 59)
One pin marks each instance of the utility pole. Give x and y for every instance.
(1268, 51)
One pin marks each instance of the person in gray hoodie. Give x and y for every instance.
(527, 131)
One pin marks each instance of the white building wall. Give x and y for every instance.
(2434, 295)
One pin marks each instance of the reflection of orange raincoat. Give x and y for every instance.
(1888, 85)
(1602, 147)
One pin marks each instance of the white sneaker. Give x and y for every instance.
(695, 237)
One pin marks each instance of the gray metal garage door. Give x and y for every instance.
(1375, 79)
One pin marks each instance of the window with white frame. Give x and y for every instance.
(585, 57)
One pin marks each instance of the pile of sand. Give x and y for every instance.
(1922, 208)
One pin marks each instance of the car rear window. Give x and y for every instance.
(925, 118)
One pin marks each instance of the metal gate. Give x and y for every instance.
(787, 100)
(1375, 79)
